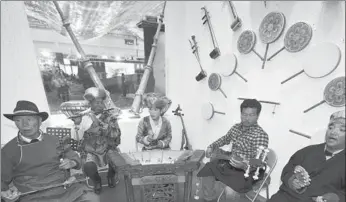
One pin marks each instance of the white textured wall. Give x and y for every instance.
(183, 19)
(20, 76)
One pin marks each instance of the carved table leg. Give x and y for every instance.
(129, 189)
(188, 186)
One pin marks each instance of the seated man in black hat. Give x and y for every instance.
(246, 138)
(35, 161)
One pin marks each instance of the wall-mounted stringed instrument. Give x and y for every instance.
(185, 145)
(194, 48)
(237, 21)
(206, 19)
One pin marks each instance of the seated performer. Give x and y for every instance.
(321, 166)
(34, 160)
(101, 137)
(246, 137)
(154, 131)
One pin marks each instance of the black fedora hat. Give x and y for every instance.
(26, 108)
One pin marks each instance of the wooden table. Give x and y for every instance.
(158, 173)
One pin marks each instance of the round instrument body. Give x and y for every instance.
(272, 26)
(214, 81)
(207, 111)
(246, 41)
(297, 37)
(334, 93)
(227, 64)
(321, 60)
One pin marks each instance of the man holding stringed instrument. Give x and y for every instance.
(34, 165)
(317, 172)
(155, 131)
(100, 136)
(232, 167)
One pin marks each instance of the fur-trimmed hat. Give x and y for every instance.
(93, 93)
(151, 100)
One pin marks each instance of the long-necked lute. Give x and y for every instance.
(185, 145)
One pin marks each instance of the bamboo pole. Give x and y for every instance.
(86, 62)
(148, 68)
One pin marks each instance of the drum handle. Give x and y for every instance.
(216, 112)
(291, 77)
(240, 76)
(316, 105)
(301, 134)
(222, 92)
(277, 52)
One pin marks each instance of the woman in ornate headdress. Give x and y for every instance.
(101, 137)
(154, 131)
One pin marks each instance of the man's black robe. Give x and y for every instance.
(327, 176)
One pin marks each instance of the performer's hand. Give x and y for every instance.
(208, 152)
(150, 138)
(160, 144)
(67, 164)
(11, 195)
(320, 199)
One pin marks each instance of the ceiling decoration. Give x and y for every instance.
(93, 19)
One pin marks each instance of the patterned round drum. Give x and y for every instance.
(246, 41)
(334, 93)
(214, 81)
(298, 37)
(272, 27)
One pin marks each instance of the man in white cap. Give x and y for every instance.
(34, 161)
(100, 135)
(317, 172)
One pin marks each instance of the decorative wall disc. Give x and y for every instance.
(272, 27)
(246, 41)
(297, 37)
(334, 93)
(214, 81)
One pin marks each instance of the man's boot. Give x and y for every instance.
(97, 184)
(112, 177)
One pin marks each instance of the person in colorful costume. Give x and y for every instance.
(100, 136)
(317, 172)
(155, 131)
(35, 161)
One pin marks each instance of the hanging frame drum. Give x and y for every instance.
(320, 61)
(228, 64)
(271, 28)
(214, 83)
(334, 94)
(297, 37)
(208, 111)
(246, 43)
